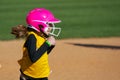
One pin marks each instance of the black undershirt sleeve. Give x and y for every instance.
(35, 53)
(50, 49)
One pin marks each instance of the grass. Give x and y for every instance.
(80, 18)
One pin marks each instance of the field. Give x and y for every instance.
(80, 18)
(88, 47)
(80, 59)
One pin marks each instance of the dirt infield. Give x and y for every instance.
(72, 59)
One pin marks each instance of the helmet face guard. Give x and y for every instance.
(43, 17)
(55, 31)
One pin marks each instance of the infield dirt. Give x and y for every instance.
(72, 59)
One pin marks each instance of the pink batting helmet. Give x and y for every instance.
(40, 16)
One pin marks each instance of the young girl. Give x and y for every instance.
(39, 43)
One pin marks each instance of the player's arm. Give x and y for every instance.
(35, 53)
(50, 49)
(51, 41)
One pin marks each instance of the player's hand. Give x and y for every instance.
(51, 40)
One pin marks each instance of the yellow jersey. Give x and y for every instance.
(39, 68)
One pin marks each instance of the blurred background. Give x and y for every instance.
(79, 59)
(80, 18)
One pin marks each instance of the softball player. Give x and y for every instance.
(39, 43)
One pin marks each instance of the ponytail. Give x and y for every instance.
(20, 31)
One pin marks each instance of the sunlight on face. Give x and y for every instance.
(50, 25)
